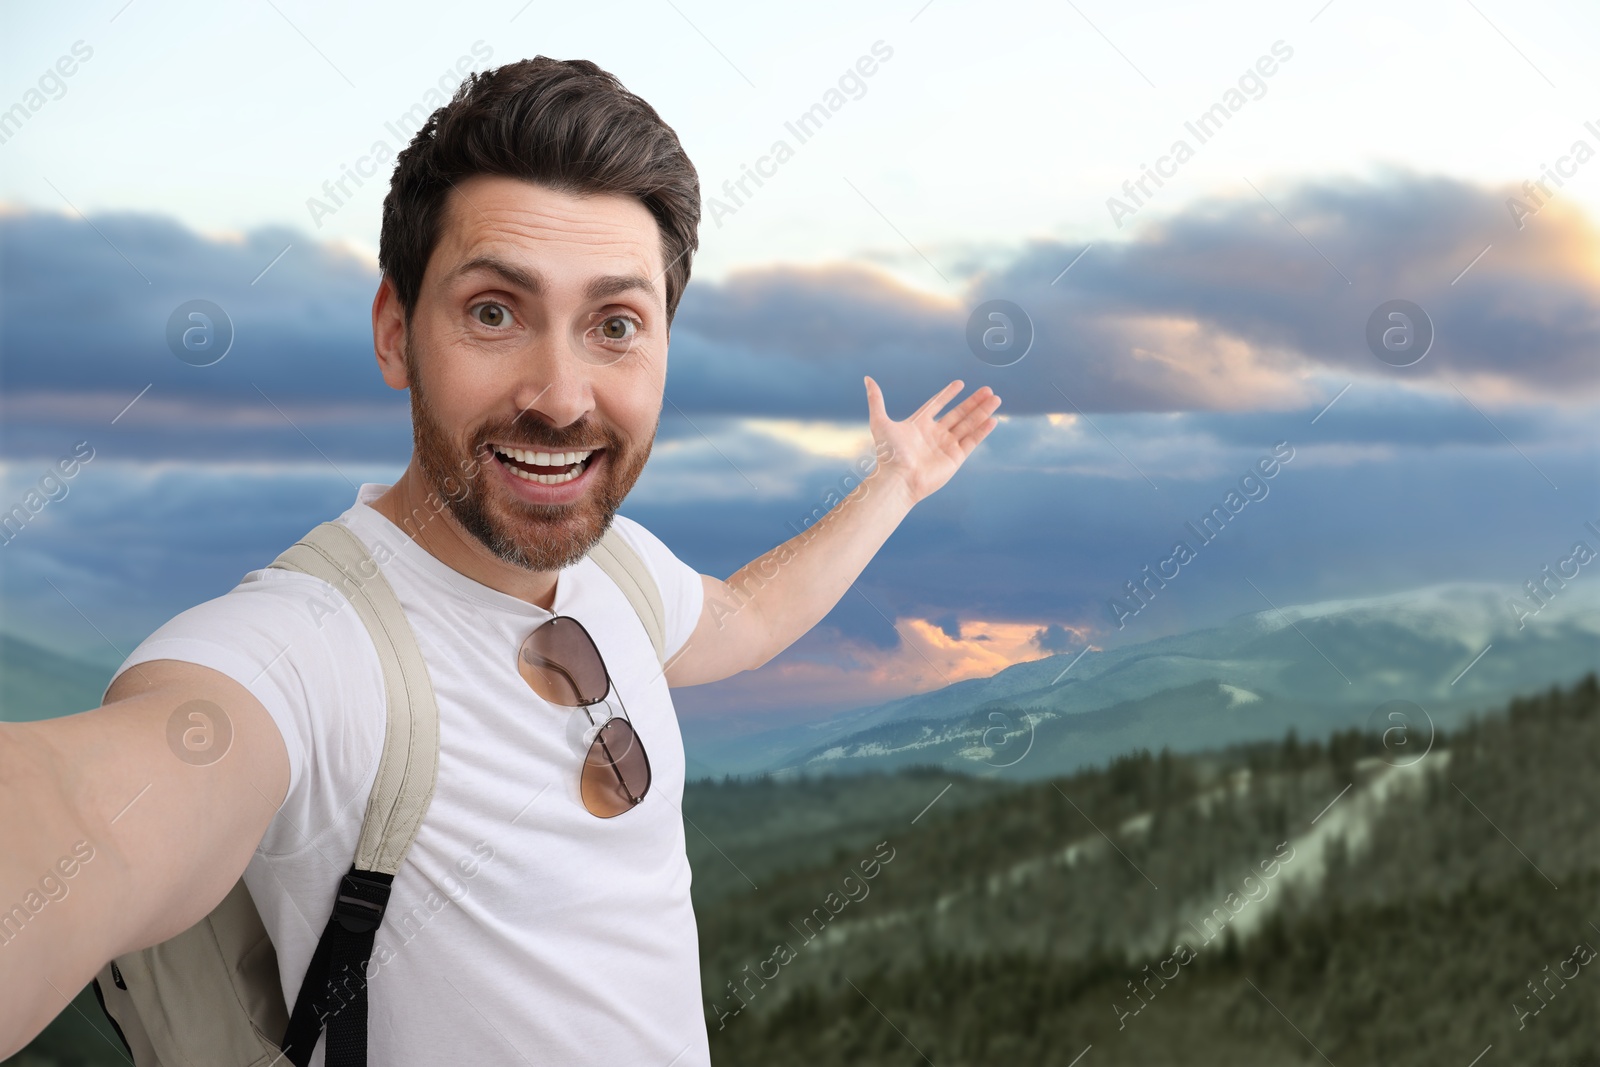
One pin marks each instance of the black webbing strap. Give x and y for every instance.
(334, 993)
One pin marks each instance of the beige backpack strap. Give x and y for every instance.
(403, 787)
(624, 566)
(409, 766)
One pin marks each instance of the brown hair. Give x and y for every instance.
(566, 124)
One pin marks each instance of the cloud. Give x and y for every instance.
(1231, 306)
(1017, 557)
(1056, 638)
(829, 671)
(87, 303)
(1226, 307)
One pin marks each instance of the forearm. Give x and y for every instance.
(58, 887)
(790, 589)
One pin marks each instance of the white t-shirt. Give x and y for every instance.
(521, 928)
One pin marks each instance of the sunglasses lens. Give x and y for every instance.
(561, 664)
(616, 774)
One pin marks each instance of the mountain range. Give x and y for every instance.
(1414, 661)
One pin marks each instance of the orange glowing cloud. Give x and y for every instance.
(848, 674)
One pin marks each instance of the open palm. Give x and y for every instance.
(924, 451)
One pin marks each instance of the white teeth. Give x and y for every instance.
(547, 479)
(577, 460)
(544, 459)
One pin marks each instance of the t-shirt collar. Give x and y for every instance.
(375, 528)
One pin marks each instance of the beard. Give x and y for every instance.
(535, 537)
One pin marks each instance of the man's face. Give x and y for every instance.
(541, 328)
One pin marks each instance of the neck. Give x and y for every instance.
(411, 505)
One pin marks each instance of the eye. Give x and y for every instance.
(491, 313)
(618, 328)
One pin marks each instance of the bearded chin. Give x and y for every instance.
(533, 537)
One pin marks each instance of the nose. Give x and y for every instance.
(553, 383)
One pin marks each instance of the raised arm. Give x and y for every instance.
(771, 601)
(111, 841)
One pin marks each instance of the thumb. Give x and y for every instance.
(877, 414)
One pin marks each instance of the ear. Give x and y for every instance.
(389, 335)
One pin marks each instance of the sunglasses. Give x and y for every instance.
(560, 662)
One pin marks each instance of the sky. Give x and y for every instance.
(1181, 333)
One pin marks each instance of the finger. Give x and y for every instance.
(977, 400)
(877, 414)
(978, 396)
(969, 431)
(976, 418)
(971, 441)
(938, 400)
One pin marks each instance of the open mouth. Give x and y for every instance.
(545, 468)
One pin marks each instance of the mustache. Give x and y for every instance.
(535, 435)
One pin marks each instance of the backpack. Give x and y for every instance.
(212, 995)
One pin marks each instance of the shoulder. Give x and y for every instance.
(636, 533)
(267, 603)
(295, 643)
(662, 561)
(682, 592)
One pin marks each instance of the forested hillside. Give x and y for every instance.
(1242, 907)
(1395, 897)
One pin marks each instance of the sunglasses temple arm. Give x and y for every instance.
(545, 661)
(616, 770)
(611, 688)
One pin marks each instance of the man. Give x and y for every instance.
(536, 240)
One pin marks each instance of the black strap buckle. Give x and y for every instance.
(361, 902)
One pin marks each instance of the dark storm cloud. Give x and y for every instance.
(87, 304)
(1230, 306)
(1225, 312)
(1236, 290)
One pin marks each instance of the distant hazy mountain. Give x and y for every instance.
(1315, 667)
(38, 684)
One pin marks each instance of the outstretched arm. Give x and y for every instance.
(771, 601)
(111, 840)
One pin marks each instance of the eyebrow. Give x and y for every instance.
(531, 281)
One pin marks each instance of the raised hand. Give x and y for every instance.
(922, 451)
